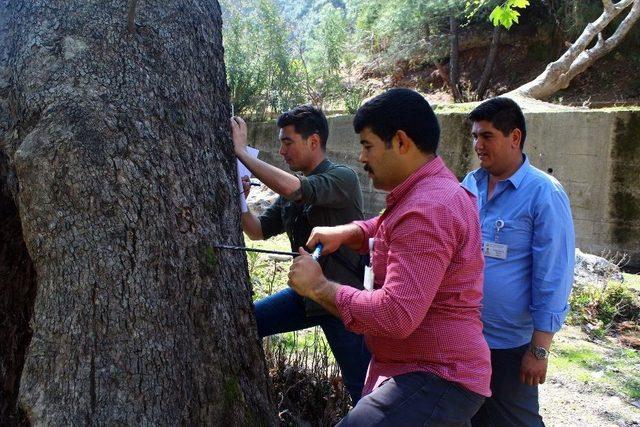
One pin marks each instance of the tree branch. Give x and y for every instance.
(578, 57)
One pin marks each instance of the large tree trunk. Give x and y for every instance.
(116, 173)
(579, 56)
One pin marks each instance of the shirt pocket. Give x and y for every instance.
(517, 234)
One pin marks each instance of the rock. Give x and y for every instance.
(260, 198)
(594, 269)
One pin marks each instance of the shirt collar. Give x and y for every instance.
(515, 179)
(323, 166)
(431, 168)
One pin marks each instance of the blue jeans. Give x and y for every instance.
(512, 403)
(285, 312)
(415, 399)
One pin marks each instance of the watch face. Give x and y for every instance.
(540, 353)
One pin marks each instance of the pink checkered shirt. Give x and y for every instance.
(424, 311)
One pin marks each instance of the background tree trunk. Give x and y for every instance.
(454, 30)
(488, 65)
(579, 56)
(116, 172)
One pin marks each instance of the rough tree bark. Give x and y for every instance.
(116, 172)
(579, 56)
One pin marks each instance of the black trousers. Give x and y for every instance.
(512, 403)
(415, 399)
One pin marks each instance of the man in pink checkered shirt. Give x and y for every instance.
(430, 363)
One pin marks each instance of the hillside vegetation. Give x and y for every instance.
(334, 53)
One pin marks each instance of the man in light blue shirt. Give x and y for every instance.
(528, 245)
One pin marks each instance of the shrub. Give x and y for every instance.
(600, 308)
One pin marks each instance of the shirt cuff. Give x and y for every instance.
(548, 321)
(344, 294)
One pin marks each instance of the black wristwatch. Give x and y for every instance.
(539, 353)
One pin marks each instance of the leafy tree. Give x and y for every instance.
(326, 55)
(263, 75)
(504, 14)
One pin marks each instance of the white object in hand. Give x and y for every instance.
(368, 269)
(243, 171)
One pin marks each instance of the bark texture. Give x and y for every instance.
(580, 56)
(116, 172)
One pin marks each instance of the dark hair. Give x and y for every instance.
(306, 120)
(503, 113)
(400, 109)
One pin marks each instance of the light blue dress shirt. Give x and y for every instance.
(529, 289)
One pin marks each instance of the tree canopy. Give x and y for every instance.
(280, 53)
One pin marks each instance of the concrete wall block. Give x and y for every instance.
(594, 154)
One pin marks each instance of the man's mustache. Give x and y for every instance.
(367, 168)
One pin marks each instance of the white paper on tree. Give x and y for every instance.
(243, 171)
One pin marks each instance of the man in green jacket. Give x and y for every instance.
(322, 193)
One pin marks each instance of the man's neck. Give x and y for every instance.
(495, 179)
(419, 163)
(313, 166)
(508, 173)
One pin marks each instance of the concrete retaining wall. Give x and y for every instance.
(594, 154)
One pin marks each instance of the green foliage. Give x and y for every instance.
(602, 307)
(260, 67)
(353, 95)
(325, 54)
(404, 29)
(281, 53)
(505, 14)
(273, 65)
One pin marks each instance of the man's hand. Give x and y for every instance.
(307, 280)
(239, 135)
(305, 275)
(532, 370)
(333, 237)
(246, 186)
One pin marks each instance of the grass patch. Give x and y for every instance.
(306, 379)
(605, 367)
(632, 280)
(269, 274)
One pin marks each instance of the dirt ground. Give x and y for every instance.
(566, 401)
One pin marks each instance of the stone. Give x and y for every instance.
(593, 269)
(260, 198)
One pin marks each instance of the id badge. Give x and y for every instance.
(494, 250)
(368, 278)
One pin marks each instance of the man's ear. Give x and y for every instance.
(403, 142)
(516, 137)
(314, 140)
